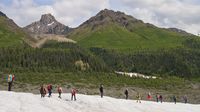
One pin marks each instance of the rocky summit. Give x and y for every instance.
(109, 16)
(47, 25)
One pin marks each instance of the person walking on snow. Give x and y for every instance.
(43, 91)
(59, 91)
(185, 99)
(126, 93)
(138, 98)
(10, 80)
(161, 98)
(149, 96)
(73, 92)
(174, 98)
(157, 97)
(101, 90)
(49, 88)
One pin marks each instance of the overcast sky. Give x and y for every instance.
(183, 14)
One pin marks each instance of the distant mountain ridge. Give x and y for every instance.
(108, 29)
(116, 30)
(47, 25)
(109, 16)
(106, 16)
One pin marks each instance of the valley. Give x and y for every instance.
(47, 51)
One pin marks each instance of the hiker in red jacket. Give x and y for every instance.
(73, 92)
(149, 96)
(49, 88)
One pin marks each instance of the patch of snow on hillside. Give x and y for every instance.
(136, 75)
(50, 24)
(26, 102)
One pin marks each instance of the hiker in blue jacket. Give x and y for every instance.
(10, 80)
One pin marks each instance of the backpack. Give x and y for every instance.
(59, 89)
(10, 78)
(13, 77)
(73, 91)
(126, 92)
(42, 90)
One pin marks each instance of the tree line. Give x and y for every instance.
(53, 56)
(69, 57)
(181, 61)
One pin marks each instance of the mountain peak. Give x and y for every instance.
(107, 16)
(47, 25)
(2, 14)
(106, 12)
(47, 19)
(111, 13)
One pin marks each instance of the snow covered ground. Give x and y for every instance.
(27, 102)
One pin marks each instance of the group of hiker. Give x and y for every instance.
(44, 90)
(159, 98)
(49, 89)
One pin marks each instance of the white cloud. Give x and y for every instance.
(74, 12)
(69, 12)
(25, 11)
(183, 14)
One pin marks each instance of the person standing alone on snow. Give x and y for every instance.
(126, 93)
(49, 88)
(101, 90)
(10, 80)
(161, 98)
(59, 91)
(138, 98)
(73, 92)
(185, 99)
(174, 98)
(157, 97)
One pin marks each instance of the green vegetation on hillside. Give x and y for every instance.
(180, 62)
(113, 36)
(10, 34)
(54, 57)
(92, 80)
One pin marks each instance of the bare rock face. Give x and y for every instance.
(180, 31)
(47, 25)
(105, 16)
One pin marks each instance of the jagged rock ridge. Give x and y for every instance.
(47, 25)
